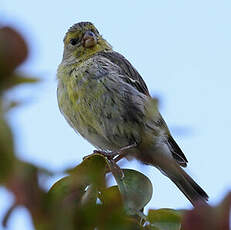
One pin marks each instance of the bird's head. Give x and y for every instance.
(82, 41)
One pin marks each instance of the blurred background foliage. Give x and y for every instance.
(82, 199)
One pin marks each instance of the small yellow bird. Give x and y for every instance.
(104, 99)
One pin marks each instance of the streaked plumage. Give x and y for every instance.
(103, 97)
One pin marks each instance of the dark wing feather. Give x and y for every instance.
(132, 77)
(177, 153)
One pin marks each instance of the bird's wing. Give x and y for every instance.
(132, 77)
(177, 153)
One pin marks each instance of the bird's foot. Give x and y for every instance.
(107, 154)
(116, 155)
(113, 155)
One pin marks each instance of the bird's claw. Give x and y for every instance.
(110, 155)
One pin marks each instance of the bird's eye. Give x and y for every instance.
(91, 33)
(74, 41)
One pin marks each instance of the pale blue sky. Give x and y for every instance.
(181, 48)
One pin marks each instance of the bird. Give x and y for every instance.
(105, 100)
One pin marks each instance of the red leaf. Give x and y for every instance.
(204, 217)
(13, 50)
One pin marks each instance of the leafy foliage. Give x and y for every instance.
(82, 199)
(167, 219)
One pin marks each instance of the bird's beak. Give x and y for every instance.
(89, 39)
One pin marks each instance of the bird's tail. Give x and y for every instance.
(169, 167)
(187, 185)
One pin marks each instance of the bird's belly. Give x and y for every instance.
(96, 116)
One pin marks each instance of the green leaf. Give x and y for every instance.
(7, 158)
(72, 189)
(67, 188)
(136, 190)
(92, 170)
(111, 196)
(113, 215)
(90, 195)
(16, 79)
(164, 219)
